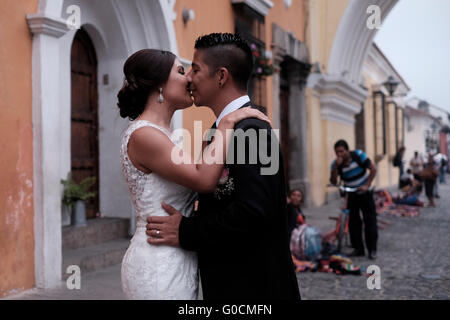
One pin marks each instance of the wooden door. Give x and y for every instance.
(84, 115)
(284, 128)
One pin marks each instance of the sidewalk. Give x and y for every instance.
(103, 284)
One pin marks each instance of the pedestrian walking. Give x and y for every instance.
(429, 175)
(437, 165)
(398, 162)
(416, 165)
(444, 163)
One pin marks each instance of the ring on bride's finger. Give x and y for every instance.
(158, 232)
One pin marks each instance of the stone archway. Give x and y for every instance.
(353, 38)
(117, 29)
(337, 92)
(339, 89)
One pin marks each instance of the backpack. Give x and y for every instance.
(306, 242)
(355, 158)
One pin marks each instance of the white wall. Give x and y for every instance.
(415, 139)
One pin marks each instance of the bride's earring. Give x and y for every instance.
(160, 98)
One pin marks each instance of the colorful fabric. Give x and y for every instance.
(384, 205)
(336, 264)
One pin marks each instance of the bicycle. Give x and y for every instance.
(341, 231)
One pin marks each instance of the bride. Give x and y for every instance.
(155, 87)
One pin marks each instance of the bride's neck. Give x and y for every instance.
(159, 114)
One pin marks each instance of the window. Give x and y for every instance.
(251, 26)
(379, 105)
(360, 129)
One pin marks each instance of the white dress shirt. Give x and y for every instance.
(232, 106)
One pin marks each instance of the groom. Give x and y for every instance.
(239, 231)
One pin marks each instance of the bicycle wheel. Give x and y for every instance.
(341, 232)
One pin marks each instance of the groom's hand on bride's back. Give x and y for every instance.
(164, 230)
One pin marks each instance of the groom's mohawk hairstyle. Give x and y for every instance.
(229, 51)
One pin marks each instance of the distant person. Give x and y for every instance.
(429, 175)
(437, 158)
(295, 214)
(406, 179)
(416, 165)
(443, 171)
(398, 162)
(353, 167)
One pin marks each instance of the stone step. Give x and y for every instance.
(97, 231)
(95, 257)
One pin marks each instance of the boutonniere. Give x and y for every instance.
(225, 186)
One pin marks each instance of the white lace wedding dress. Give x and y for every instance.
(153, 272)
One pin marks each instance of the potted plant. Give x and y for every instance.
(74, 197)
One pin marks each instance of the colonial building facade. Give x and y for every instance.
(58, 93)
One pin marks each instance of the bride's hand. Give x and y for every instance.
(244, 113)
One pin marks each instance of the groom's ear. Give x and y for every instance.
(223, 76)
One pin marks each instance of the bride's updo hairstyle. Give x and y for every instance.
(145, 71)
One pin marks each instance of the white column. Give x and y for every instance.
(46, 158)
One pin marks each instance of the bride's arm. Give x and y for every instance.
(150, 148)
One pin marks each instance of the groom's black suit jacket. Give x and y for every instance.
(242, 238)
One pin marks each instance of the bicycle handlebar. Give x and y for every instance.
(344, 188)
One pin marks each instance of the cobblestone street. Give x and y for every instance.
(413, 257)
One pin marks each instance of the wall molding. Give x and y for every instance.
(285, 43)
(340, 100)
(40, 23)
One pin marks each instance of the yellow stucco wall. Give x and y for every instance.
(324, 19)
(16, 140)
(387, 174)
(217, 16)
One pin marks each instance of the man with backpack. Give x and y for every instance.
(352, 167)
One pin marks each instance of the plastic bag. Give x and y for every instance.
(313, 243)
(306, 242)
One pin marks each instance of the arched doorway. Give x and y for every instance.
(117, 29)
(84, 116)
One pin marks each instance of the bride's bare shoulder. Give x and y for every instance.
(149, 139)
